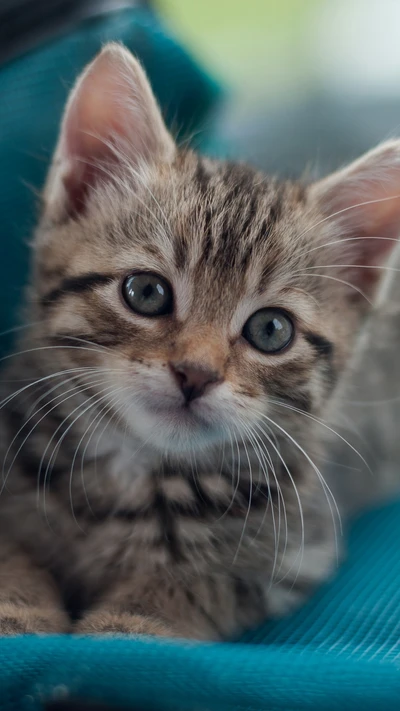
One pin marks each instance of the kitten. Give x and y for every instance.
(189, 321)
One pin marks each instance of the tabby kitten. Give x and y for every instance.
(188, 322)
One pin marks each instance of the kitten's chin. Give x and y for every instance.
(177, 431)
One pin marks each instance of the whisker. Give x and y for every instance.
(22, 327)
(324, 485)
(249, 504)
(74, 390)
(76, 374)
(353, 266)
(31, 384)
(343, 240)
(92, 403)
(280, 497)
(96, 450)
(95, 346)
(46, 348)
(235, 490)
(347, 209)
(259, 451)
(340, 281)
(300, 507)
(323, 424)
(108, 407)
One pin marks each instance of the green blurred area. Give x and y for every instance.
(245, 41)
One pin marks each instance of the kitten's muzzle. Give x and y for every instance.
(193, 379)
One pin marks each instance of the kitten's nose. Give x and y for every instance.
(194, 379)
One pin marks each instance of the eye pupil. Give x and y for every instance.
(147, 294)
(147, 291)
(269, 330)
(271, 326)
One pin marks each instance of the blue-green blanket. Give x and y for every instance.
(342, 650)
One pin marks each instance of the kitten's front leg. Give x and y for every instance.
(161, 606)
(29, 599)
(114, 620)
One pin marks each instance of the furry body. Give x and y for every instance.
(124, 508)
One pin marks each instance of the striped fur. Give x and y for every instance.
(121, 511)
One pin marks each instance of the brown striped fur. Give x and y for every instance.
(121, 511)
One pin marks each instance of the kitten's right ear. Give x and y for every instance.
(111, 122)
(363, 201)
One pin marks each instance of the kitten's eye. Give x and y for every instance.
(148, 294)
(269, 330)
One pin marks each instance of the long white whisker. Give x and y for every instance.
(343, 240)
(48, 348)
(103, 412)
(236, 486)
(33, 383)
(260, 454)
(250, 500)
(281, 497)
(298, 499)
(322, 424)
(346, 209)
(22, 327)
(95, 346)
(108, 407)
(77, 373)
(75, 389)
(340, 281)
(324, 485)
(92, 402)
(352, 266)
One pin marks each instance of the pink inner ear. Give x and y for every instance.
(77, 183)
(93, 120)
(89, 156)
(376, 228)
(364, 201)
(111, 120)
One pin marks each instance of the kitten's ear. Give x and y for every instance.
(364, 202)
(111, 120)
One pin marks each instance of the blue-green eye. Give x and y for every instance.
(269, 330)
(148, 294)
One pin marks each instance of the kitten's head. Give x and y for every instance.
(212, 301)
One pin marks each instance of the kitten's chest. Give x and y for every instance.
(137, 514)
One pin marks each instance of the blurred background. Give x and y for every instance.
(307, 83)
(312, 82)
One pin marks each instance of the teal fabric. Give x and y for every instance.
(341, 652)
(33, 90)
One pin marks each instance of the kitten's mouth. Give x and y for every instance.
(180, 425)
(184, 414)
(169, 424)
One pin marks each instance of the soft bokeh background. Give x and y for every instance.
(312, 82)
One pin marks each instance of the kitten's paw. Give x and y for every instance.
(16, 620)
(116, 623)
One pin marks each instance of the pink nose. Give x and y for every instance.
(194, 379)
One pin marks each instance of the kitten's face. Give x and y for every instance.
(216, 300)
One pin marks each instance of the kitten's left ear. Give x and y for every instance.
(111, 121)
(364, 202)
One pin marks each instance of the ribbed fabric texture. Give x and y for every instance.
(340, 652)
